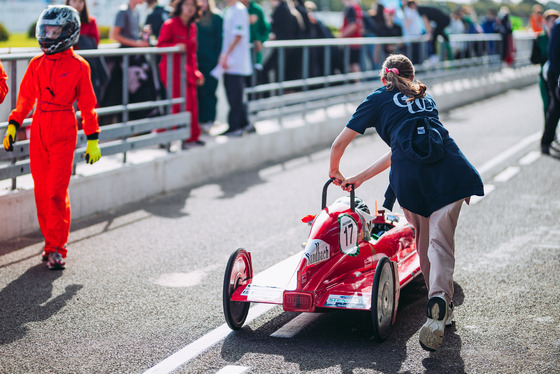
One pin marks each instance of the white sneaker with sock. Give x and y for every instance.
(431, 334)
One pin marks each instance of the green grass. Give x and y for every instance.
(23, 41)
(19, 41)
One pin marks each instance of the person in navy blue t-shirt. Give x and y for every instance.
(430, 177)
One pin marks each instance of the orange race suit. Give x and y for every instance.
(53, 83)
(3, 84)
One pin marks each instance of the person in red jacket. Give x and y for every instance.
(52, 83)
(3, 84)
(180, 29)
(89, 39)
(88, 23)
(352, 27)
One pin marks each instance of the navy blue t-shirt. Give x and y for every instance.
(386, 110)
(428, 170)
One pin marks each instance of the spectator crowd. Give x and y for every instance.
(227, 45)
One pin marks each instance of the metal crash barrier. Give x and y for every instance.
(475, 55)
(479, 56)
(115, 138)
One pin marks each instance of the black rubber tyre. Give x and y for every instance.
(238, 270)
(383, 299)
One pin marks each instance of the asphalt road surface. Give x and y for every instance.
(143, 286)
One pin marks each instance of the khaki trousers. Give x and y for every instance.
(436, 247)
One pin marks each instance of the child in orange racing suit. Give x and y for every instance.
(3, 85)
(53, 81)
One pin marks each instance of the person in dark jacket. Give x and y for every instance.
(438, 21)
(317, 55)
(539, 53)
(287, 24)
(388, 29)
(156, 17)
(429, 177)
(553, 110)
(210, 36)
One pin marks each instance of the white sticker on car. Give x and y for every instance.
(356, 301)
(317, 251)
(348, 235)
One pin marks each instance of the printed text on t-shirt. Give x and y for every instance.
(414, 106)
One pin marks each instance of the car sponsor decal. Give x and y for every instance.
(317, 251)
(356, 301)
(255, 292)
(348, 235)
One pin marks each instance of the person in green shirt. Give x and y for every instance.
(259, 29)
(209, 34)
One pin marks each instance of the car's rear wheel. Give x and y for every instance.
(238, 271)
(383, 299)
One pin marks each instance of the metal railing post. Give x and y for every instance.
(281, 66)
(126, 63)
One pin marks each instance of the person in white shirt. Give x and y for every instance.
(413, 25)
(236, 63)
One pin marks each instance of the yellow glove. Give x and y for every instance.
(10, 138)
(93, 153)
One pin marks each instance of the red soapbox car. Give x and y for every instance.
(352, 260)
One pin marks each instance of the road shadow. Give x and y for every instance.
(172, 204)
(344, 339)
(237, 184)
(168, 205)
(28, 299)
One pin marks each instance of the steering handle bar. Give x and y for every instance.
(352, 196)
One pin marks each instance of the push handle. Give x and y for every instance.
(352, 196)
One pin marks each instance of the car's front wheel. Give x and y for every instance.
(383, 299)
(238, 271)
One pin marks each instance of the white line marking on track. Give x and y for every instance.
(507, 174)
(509, 152)
(529, 158)
(295, 325)
(233, 369)
(487, 189)
(199, 346)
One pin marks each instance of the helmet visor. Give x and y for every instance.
(52, 32)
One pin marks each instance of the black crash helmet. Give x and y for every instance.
(57, 39)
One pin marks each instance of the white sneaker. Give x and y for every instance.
(431, 334)
(206, 127)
